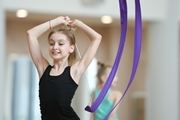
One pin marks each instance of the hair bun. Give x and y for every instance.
(70, 28)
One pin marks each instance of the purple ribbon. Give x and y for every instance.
(137, 50)
(123, 14)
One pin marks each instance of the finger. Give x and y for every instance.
(69, 21)
(67, 18)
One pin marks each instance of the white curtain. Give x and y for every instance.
(85, 89)
(22, 102)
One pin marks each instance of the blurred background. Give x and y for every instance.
(154, 94)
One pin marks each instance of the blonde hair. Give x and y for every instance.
(102, 70)
(69, 33)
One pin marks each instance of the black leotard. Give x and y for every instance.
(56, 93)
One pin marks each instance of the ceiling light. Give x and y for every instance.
(21, 13)
(106, 19)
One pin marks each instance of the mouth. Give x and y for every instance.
(55, 52)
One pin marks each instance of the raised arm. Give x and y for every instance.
(34, 48)
(91, 50)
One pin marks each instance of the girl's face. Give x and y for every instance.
(59, 46)
(108, 70)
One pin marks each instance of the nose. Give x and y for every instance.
(55, 46)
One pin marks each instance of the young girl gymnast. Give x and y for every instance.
(58, 82)
(111, 98)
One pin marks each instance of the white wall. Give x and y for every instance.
(152, 10)
(162, 76)
(2, 60)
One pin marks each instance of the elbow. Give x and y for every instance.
(96, 37)
(28, 33)
(99, 37)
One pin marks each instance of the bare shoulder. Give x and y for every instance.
(76, 72)
(41, 69)
(117, 93)
(74, 69)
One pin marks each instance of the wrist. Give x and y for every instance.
(55, 22)
(50, 26)
(78, 22)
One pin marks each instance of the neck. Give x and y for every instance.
(60, 65)
(101, 86)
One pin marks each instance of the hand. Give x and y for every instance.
(63, 20)
(71, 23)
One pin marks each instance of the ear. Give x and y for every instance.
(72, 47)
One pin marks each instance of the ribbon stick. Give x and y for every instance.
(123, 14)
(137, 48)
